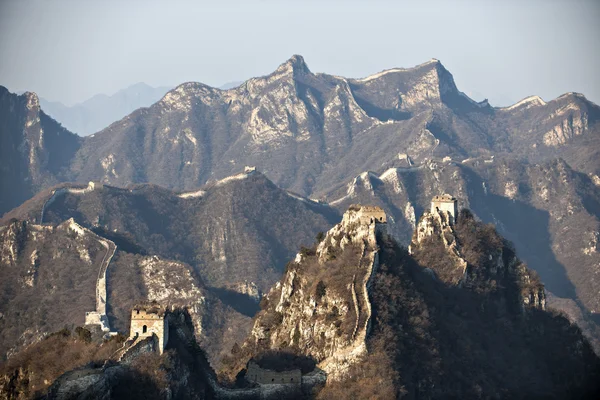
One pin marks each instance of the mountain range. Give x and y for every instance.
(167, 179)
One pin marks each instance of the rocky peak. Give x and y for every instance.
(33, 102)
(472, 255)
(445, 78)
(322, 305)
(436, 226)
(294, 65)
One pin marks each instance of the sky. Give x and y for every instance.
(506, 50)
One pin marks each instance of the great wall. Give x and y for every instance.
(97, 317)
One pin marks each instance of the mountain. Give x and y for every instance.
(230, 85)
(459, 315)
(549, 211)
(35, 150)
(45, 267)
(309, 132)
(100, 111)
(238, 233)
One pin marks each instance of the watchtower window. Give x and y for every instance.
(137, 311)
(144, 329)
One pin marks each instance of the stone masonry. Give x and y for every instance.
(147, 321)
(447, 203)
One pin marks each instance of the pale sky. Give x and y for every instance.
(503, 50)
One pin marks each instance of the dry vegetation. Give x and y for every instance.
(31, 371)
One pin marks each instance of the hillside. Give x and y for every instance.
(460, 317)
(549, 211)
(44, 267)
(35, 150)
(236, 232)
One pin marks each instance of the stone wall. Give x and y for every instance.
(264, 376)
(367, 214)
(146, 323)
(445, 203)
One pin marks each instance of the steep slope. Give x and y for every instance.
(321, 307)
(549, 212)
(462, 317)
(35, 150)
(45, 267)
(100, 111)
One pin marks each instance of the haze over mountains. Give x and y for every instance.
(168, 178)
(101, 110)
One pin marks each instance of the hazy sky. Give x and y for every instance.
(503, 50)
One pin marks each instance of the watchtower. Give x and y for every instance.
(447, 203)
(148, 320)
(369, 214)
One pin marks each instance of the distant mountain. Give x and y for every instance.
(102, 110)
(309, 132)
(230, 85)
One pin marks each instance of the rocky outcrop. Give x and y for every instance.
(34, 149)
(476, 258)
(437, 225)
(322, 304)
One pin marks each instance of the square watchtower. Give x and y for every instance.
(447, 203)
(150, 320)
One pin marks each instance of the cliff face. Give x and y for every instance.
(322, 305)
(35, 150)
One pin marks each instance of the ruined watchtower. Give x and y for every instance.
(148, 320)
(447, 203)
(369, 214)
